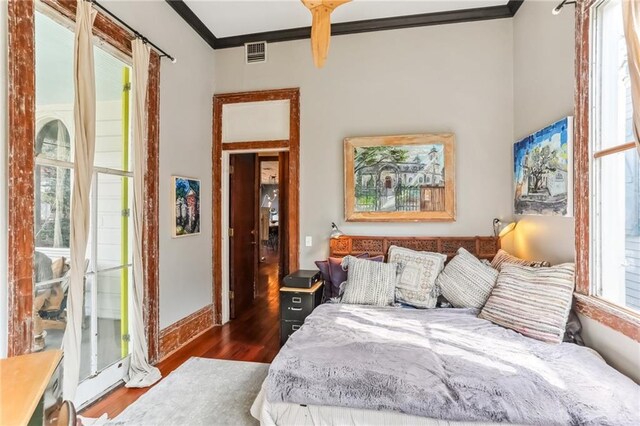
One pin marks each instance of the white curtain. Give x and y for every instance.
(84, 113)
(141, 373)
(631, 16)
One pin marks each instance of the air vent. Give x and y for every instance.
(255, 52)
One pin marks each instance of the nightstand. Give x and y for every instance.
(295, 305)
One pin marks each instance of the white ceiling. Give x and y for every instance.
(226, 18)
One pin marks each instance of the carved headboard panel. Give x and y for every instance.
(482, 247)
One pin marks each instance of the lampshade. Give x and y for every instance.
(508, 228)
(335, 232)
(500, 229)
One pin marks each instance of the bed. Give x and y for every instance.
(354, 364)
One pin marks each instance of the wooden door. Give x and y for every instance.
(243, 221)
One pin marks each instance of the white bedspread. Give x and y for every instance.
(285, 414)
(445, 364)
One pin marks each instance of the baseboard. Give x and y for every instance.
(182, 332)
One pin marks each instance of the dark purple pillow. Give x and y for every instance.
(323, 265)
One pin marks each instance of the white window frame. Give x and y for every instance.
(596, 154)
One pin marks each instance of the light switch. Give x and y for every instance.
(308, 241)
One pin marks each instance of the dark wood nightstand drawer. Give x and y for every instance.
(296, 306)
(287, 328)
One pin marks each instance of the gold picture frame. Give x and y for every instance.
(404, 178)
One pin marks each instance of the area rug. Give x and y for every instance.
(201, 391)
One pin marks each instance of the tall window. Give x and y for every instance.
(615, 165)
(108, 258)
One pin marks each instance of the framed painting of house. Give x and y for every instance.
(543, 171)
(186, 208)
(400, 178)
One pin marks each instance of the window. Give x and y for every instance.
(108, 257)
(615, 165)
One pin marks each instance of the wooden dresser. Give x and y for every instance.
(31, 388)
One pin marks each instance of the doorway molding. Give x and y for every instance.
(292, 145)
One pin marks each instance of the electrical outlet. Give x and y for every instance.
(308, 241)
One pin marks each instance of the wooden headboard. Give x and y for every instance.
(482, 247)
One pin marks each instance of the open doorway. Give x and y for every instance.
(255, 234)
(274, 117)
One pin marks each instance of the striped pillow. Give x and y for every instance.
(466, 282)
(534, 302)
(369, 283)
(502, 257)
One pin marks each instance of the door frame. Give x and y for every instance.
(220, 197)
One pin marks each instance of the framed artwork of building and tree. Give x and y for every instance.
(186, 208)
(400, 178)
(543, 176)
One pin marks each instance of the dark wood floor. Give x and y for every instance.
(252, 336)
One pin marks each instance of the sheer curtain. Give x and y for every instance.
(141, 373)
(84, 113)
(631, 16)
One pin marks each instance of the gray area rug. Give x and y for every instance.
(201, 391)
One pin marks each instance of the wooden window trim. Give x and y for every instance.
(613, 316)
(293, 203)
(21, 134)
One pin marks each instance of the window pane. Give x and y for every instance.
(54, 82)
(52, 185)
(613, 87)
(87, 355)
(53, 141)
(103, 320)
(114, 226)
(617, 241)
(49, 301)
(52, 207)
(110, 81)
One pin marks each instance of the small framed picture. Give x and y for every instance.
(186, 206)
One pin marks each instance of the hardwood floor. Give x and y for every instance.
(252, 336)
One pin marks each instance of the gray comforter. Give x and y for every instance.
(446, 364)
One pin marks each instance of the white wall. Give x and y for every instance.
(543, 87)
(620, 351)
(452, 78)
(3, 177)
(186, 90)
(543, 93)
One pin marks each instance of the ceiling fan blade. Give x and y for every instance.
(321, 27)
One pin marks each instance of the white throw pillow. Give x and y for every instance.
(417, 274)
(466, 282)
(368, 282)
(534, 302)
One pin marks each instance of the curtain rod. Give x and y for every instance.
(136, 33)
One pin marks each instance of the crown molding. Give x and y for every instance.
(194, 22)
(380, 24)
